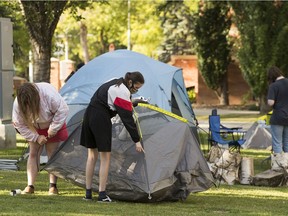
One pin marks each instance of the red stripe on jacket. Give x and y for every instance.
(124, 104)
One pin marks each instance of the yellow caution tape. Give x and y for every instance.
(163, 111)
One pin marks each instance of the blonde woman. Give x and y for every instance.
(39, 114)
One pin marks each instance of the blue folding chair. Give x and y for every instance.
(219, 134)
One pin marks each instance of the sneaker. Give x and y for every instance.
(28, 190)
(105, 199)
(53, 191)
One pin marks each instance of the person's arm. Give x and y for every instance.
(124, 110)
(123, 105)
(59, 110)
(271, 96)
(139, 147)
(270, 102)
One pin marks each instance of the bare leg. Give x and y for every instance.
(90, 166)
(33, 162)
(104, 169)
(51, 148)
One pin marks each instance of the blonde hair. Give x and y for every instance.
(29, 103)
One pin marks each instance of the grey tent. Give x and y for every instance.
(258, 136)
(172, 167)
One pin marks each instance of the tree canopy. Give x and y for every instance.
(177, 23)
(107, 24)
(213, 48)
(262, 43)
(262, 27)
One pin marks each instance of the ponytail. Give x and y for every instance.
(136, 77)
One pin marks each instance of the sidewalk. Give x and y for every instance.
(206, 112)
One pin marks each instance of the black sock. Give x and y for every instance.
(88, 194)
(52, 185)
(31, 186)
(102, 193)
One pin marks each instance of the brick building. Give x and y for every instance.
(59, 71)
(239, 90)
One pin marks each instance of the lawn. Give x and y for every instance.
(234, 117)
(219, 200)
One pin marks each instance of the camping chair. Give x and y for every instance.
(219, 134)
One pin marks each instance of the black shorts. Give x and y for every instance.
(97, 129)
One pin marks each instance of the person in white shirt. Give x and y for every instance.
(39, 115)
(111, 98)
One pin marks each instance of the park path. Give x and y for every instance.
(207, 111)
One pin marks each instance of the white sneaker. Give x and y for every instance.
(276, 161)
(105, 199)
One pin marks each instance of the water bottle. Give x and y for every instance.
(15, 192)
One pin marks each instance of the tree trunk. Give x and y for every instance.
(102, 42)
(223, 91)
(41, 62)
(84, 44)
(224, 95)
(41, 18)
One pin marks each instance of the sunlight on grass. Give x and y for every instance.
(248, 191)
(249, 118)
(224, 199)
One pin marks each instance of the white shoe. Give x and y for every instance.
(105, 199)
(276, 161)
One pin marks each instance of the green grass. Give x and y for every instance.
(221, 200)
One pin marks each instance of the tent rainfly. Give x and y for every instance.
(164, 85)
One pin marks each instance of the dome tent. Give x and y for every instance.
(173, 165)
(164, 85)
(258, 136)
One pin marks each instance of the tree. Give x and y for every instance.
(213, 48)
(262, 43)
(41, 18)
(107, 23)
(177, 23)
(146, 34)
(97, 26)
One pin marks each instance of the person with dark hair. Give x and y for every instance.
(73, 72)
(278, 99)
(111, 98)
(39, 115)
